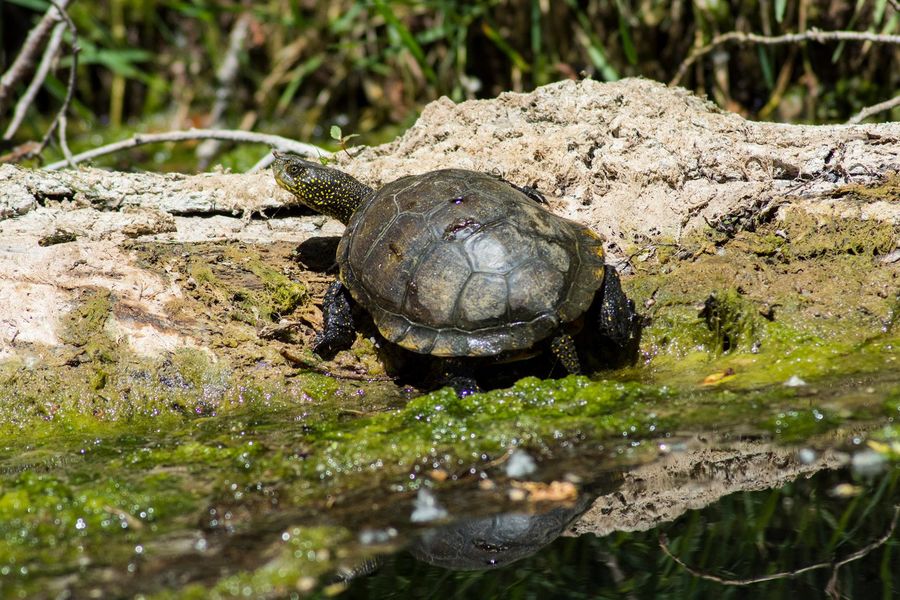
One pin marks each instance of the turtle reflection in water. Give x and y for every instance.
(496, 541)
(482, 543)
(464, 266)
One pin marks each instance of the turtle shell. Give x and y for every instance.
(460, 263)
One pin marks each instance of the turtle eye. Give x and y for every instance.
(293, 170)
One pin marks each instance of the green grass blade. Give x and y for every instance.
(502, 45)
(299, 75)
(765, 64)
(407, 38)
(627, 43)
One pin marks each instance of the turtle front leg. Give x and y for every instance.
(338, 331)
(618, 322)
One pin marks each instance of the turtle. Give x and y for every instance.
(461, 264)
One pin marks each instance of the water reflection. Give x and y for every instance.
(806, 537)
(494, 541)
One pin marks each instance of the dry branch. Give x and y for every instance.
(22, 65)
(813, 35)
(874, 110)
(34, 87)
(275, 141)
(226, 77)
(70, 89)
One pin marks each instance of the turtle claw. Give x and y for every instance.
(327, 348)
(464, 386)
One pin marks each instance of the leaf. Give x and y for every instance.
(594, 50)
(35, 5)
(297, 76)
(335, 133)
(780, 6)
(765, 63)
(719, 377)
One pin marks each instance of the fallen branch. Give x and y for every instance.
(276, 141)
(834, 565)
(813, 35)
(25, 60)
(874, 110)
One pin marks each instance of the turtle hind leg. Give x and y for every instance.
(618, 324)
(459, 374)
(533, 194)
(563, 348)
(339, 330)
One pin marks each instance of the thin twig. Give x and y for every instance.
(874, 110)
(281, 143)
(64, 141)
(835, 565)
(22, 65)
(34, 87)
(70, 87)
(262, 163)
(813, 35)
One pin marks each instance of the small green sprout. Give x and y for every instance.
(337, 135)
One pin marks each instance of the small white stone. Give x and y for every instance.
(520, 464)
(794, 381)
(806, 456)
(868, 463)
(426, 508)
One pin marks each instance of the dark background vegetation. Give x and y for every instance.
(370, 65)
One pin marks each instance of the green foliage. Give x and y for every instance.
(374, 64)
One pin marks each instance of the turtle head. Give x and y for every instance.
(323, 189)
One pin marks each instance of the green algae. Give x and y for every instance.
(729, 320)
(85, 327)
(269, 295)
(303, 556)
(807, 236)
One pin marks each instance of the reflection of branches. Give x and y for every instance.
(813, 35)
(278, 142)
(831, 589)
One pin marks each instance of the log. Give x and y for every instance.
(639, 162)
